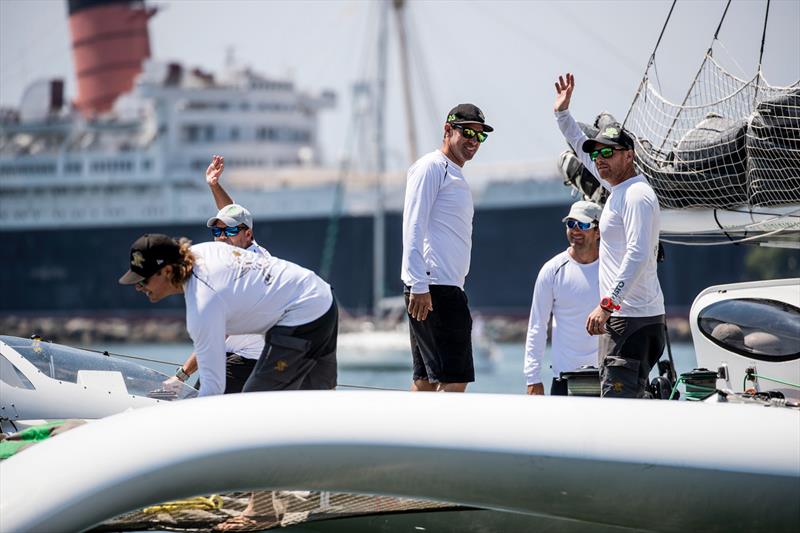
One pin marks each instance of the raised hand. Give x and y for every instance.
(564, 90)
(214, 170)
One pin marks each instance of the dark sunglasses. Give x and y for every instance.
(469, 133)
(583, 226)
(605, 152)
(230, 231)
(145, 281)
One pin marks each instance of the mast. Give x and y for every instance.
(405, 74)
(379, 217)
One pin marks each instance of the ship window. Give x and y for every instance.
(73, 167)
(758, 328)
(190, 133)
(13, 376)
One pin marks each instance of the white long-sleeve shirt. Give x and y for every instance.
(437, 224)
(629, 228)
(238, 292)
(568, 291)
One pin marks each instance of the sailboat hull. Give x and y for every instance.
(659, 466)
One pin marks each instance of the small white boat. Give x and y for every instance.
(382, 349)
(46, 381)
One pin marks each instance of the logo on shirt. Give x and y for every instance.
(617, 290)
(281, 365)
(247, 262)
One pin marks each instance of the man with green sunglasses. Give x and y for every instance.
(630, 314)
(437, 242)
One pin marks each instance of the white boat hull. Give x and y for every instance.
(660, 466)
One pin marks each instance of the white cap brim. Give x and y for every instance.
(230, 222)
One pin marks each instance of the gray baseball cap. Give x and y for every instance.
(232, 215)
(584, 211)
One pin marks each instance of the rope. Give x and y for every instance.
(761, 53)
(709, 53)
(210, 503)
(746, 239)
(650, 62)
(699, 393)
(366, 387)
(149, 360)
(753, 377)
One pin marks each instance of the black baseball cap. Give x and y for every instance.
(611, 135)
(468, 113)
(149, 254)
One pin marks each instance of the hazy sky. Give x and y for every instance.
(501, 55)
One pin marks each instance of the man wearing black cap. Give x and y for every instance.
(233, 224)
(437, 241)
(630, 315)
(233, 291)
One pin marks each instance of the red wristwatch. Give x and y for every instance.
(607, 304)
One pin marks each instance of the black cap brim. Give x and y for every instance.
(486, 128)
(588, 144)
(130, 278)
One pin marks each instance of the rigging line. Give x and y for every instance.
(112, 354)
(761, 53)
(732, 57)
(716, 219)
(649, 63)
(367, 387)
(707, 55)
(795, 213)
(717, 243)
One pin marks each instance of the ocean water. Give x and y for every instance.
(501, 375)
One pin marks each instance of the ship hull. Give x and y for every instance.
(75, 270)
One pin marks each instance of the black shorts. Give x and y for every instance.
(627, 353)
(298, 357)
(441, 345)
(237, 370)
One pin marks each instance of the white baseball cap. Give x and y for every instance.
(232, 215)
(584, 211)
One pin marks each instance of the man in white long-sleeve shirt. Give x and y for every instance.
(437, 241)
(566, 288)
(630, 315)
(233, 291)
(233, 225)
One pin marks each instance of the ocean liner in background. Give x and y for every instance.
(79, 181)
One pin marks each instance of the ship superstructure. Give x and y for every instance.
(79, 181)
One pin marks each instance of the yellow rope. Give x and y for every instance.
(210, 503)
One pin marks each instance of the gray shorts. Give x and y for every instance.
(627, 353)
(298, 357)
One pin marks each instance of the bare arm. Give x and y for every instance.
(213, 173)
(190, 366)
